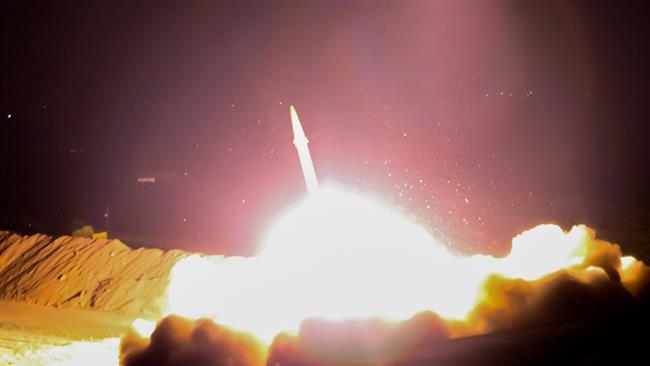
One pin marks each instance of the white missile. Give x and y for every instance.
(300, 141)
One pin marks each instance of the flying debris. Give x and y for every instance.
(301, 141)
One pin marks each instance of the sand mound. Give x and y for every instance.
(99, 274)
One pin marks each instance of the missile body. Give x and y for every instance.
(300, 141)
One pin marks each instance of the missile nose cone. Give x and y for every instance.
(298, 133)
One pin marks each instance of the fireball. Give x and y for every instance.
(338, 255)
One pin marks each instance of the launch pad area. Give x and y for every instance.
(41, 335)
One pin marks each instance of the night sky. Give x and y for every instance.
(479, 119)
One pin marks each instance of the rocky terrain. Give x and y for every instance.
(83, 273)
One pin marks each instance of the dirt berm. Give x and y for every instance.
(99, 274)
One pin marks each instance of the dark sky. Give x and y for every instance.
(479, 119)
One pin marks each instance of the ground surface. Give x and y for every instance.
(41, 335)
(67, 301)
(44, 322)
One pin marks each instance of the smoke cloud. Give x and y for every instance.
(588, 314)
(177, 341)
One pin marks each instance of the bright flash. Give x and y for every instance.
(143, 327)
(337, 255)
(627, 262)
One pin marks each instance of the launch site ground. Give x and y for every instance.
(47, 328)
(38, 335)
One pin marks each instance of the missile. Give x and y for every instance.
(300, 141)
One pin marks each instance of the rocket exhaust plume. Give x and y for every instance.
(388, 288)
(300, 141)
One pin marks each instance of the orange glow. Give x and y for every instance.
(627, 262)
(337, 256)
